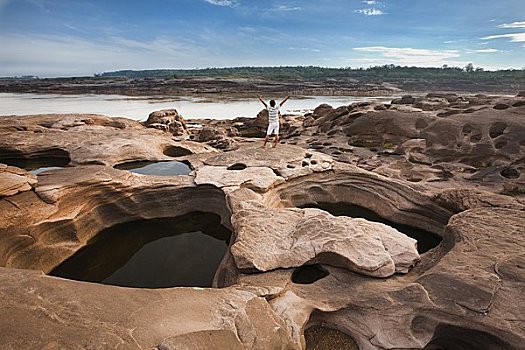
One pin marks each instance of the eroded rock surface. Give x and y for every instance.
(294, 237)
(14, 180)
(436, 163)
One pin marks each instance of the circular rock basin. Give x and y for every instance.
(168, 168)
(425, 240)
(157, 253)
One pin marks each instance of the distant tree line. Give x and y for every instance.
(376, 74)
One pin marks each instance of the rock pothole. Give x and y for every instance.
(309, 274)
(237, 166)
(497, 129)
(451, 337)
(46, 158)
(176, 151)
(156, 253)
(168, 168)
(510, 173)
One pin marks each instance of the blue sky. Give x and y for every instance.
(73, 37)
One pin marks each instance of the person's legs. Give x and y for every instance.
(276, 129)
(265, 140)
(272, 128)
(276, 140)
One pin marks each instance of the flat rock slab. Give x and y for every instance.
(269, 238)
(42, 312)
(257, 178)
(286, 160)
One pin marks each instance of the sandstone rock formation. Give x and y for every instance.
(455, 152)
(14, 180)
(167, 120)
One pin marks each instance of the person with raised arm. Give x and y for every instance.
(274, 119)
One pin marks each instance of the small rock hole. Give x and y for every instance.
(497, 129)
(510, 173)
(176, 151)
(475, 138)
(237, 166)
(308, 274)
(500, 144)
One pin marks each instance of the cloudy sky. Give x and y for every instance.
(83, 37)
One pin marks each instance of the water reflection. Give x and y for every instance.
(156, 168)
(157, 253)
(138, 108)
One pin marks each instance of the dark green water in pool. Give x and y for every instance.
(425, 240)
(158, 253)
(169, 168)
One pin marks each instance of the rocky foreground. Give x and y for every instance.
(447, 164)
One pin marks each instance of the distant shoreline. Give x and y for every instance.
(245, 88)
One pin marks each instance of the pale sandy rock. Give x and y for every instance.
(14, 180)
(202, 340)
(143, 318)
(287, 160)
(295, 312)
(274, 158)
(172, 120)
(294, 237)
(257, 178)
(405, 109)
(72, 140)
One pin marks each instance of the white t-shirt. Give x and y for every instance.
(273, 114)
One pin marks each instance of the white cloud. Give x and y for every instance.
(512, 25)
(484, 51)
(370, 2)
(370, 12)
(514, 37)
(226, 3)
(410, 56)
(454, 41)
(286, 8)
(304, 49)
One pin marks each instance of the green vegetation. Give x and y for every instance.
(376, 75)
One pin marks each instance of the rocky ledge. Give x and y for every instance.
(296, 271)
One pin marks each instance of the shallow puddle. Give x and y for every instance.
(156, 168)
(425, 240)
(158, 253)
(44, 169)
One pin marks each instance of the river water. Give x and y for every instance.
(139, 108)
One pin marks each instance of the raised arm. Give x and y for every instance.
(283, 101)
(262, 101)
